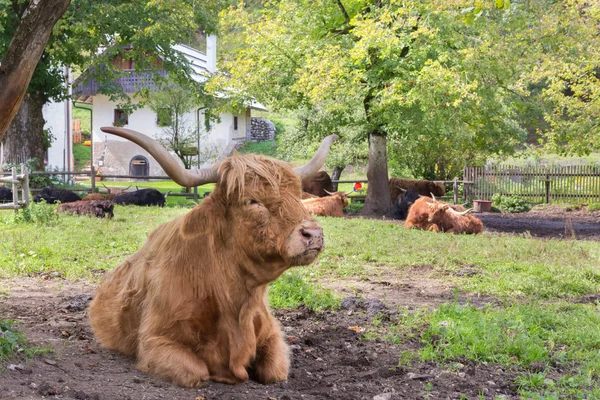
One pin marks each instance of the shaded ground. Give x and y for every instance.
(330, 358)
(551, 222)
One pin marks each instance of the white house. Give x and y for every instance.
(113, 155)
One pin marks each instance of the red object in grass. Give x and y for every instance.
(357, 186)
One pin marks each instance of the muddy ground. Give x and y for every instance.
(330, 359)
(550, 222)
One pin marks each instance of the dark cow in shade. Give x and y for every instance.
(318, 184)
(142, 197)
(53, 195)
(92, 208)
(6, 195)
(423, 187)
(403, 203)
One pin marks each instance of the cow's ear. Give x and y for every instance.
(446, 206)
(204, 217)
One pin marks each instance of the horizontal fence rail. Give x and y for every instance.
(536, 184)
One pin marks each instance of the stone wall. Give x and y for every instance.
(261, 130)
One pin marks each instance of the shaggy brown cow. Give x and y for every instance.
(94, 196)
(330, 206)
(423, 187)
(92, 208)
(318, 184)
(418, 215)
(190, 305)
(446, 219)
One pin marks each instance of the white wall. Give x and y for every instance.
(55, 115)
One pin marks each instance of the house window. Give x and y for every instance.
(163, 117)
(121, 118)
(235, 123)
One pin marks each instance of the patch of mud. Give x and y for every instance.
(330, 358)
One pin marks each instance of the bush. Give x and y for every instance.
(11, 340)
(37, 213)
(594, 207)
(510, 204)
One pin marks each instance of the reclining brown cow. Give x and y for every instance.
(330, 206)
(190, 305)
(438, 216)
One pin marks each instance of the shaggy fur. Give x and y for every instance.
(331, 206)
(190, 305)
(92, 208)
(317, 184)
(94, 196)
(141, 197)
(423, 187)
(448, 220)
(308, 196)
(418, 215)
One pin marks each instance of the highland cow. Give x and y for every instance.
(330, 206)
(190, 305)
(318, 184)
(91, 208)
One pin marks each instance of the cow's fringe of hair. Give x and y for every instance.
(237, 169)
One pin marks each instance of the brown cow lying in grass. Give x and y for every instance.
(112, 193)
(191, 304)
(437, 216)
(92, 208)
(330, 206)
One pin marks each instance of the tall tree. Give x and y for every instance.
(141, 31)
(384, 68)
(29, 27)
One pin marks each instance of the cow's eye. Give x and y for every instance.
(251, 202)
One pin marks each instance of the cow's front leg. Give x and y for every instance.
(272, 362)
(162, 356)
(242, 344)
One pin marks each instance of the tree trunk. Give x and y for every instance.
(23, 55)
(335, 176)
(24, 137)
(378, 192)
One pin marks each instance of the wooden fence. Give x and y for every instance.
(536, 184)
(19, 182)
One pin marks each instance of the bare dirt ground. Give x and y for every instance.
(330, 357)
(549, 222)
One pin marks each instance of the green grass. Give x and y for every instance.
(11, 340)
(517, 336)
(532, 279)
(81, 156)
(267, 148)
(83, 115)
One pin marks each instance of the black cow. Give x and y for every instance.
(6, 194)
(53, 195)
(403, 203)
(142, 197)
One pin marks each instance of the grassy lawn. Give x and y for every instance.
(534, 325)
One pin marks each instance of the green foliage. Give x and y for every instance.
(37, 213)
(511, 204)
(11, 340)
(594, 206)
(36, 181)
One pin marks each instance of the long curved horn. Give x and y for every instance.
(182, 176)
(318, 159)
(402, 190)
(432, 196)
(328, 192)
(349, 193)
(460, 212)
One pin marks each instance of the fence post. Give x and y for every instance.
(547, 188)
(15, 190)
(25, 184)
(196, 194)
(455, 189)
(93, 176)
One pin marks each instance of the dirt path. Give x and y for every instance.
(330, 359)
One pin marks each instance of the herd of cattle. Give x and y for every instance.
(413, 200)
(94, 204)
